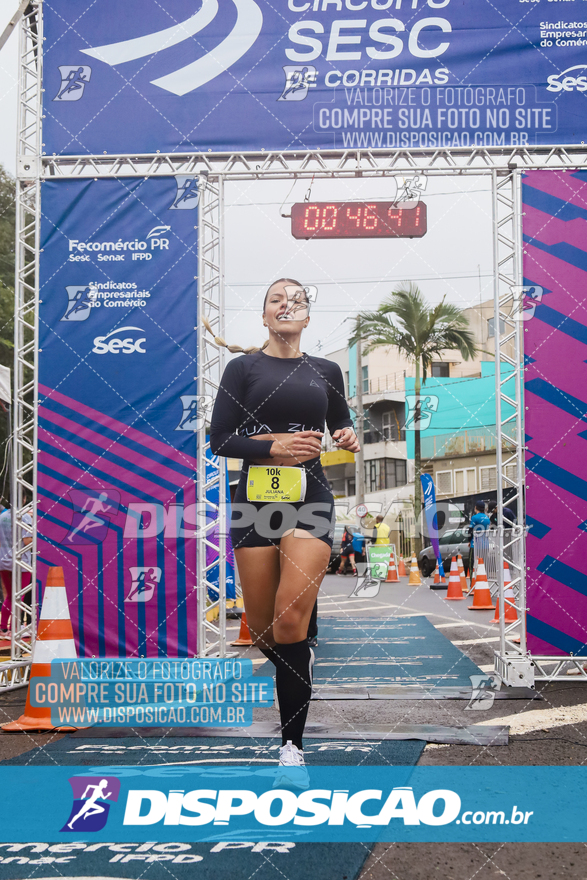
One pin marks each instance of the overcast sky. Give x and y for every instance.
(452, 259)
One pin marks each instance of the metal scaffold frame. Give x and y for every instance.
(212, 526)
(15, 673)
(504, 164)
(512, 662)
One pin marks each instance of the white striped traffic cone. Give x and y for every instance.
(54, 642)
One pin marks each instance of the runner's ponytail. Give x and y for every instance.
(233, 349)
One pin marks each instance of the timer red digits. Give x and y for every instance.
(358, 220)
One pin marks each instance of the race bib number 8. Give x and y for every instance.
(276, 484)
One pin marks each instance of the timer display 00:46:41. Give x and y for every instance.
(358, 220)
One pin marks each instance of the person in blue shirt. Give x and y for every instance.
(480, 522)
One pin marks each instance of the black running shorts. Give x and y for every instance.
(256, 524)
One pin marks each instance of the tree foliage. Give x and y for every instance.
(421, 333)
(7, 250)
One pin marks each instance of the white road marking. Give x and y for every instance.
(481, 641)
(541, 719)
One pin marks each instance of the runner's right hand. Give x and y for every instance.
(296, 446)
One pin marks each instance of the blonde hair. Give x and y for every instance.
(233, 349)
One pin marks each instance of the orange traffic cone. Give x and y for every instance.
(461, 569)
(244, 636)
(455, 590)
(473, 576)
(392, 573)
(481, 596)
(510, 613)
(414, 580)
(437, 578)
(401, 568)
(54, 642)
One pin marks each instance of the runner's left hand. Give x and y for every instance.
(345, 438)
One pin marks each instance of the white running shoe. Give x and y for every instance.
(292, 772)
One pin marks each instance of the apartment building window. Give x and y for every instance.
(444, 482)
(440, 370)
(491, 327)
(384, 473)
(365, 380)
(389, 426)
(487, 479)
(465, 482)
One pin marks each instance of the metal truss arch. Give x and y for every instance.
(504, 165)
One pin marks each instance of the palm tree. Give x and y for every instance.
(421, 333)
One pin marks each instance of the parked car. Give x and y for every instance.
(337, 542)
(451, 543)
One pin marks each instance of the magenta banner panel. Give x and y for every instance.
(555, 345)
(118, 411)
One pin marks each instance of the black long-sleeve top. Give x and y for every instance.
(259, 394)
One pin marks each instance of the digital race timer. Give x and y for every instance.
(358, 220)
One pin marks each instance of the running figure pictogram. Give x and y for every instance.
(91, 519)
(74, 81)
(91, 807)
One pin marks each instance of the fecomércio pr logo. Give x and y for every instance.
(92, 797)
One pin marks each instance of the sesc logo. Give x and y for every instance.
(560, 82)
(128, 345)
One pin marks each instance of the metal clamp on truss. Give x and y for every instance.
(515, 671)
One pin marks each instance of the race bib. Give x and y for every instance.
(276, 484)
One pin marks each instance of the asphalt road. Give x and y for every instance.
(552, 731)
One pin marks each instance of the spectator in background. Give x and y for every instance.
(479, 523)
(509, 517)
(6, 564)
(381, 531)
(347, 552)
(359, 546)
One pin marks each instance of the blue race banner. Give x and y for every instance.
(195, 803)
(249, 74)
(118, 411)
(212, 495)
(431, 518)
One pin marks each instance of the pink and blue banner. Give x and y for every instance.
(555, 345)
(118, 411)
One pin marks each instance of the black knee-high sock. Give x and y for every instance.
(269, 653)
(294, 688)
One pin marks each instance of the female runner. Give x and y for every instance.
(277, 401)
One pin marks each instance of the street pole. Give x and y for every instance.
(359, 457)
